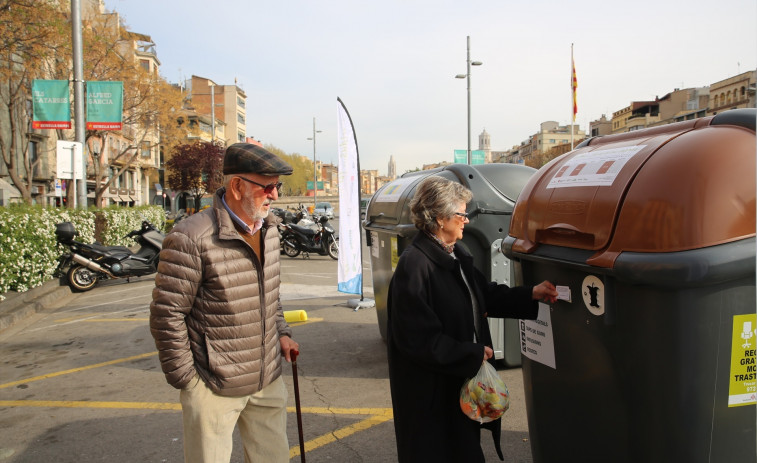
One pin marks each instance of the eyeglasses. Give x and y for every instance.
(267, 189)
(462, 215)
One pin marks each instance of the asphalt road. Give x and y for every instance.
(82, 383)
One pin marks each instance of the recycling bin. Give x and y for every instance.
(649, 355)
(495, 188)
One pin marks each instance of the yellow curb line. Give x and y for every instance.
(76, 370)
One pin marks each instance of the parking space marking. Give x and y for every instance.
(76, 370)
(342, 433)
(375, 417)
(91, 404)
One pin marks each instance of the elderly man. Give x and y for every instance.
(216, 316)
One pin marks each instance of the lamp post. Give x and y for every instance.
(212, 86)
(315, 176)
(467, 76)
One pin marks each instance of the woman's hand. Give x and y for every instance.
(545, 291)
(488, 353)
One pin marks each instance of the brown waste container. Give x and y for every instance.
(652, 358)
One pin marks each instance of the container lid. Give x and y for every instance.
(669, 188)
(494, 186)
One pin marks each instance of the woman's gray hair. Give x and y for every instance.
(436, 197)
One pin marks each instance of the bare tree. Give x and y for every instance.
(32, 40)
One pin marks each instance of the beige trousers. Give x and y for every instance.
(209, 421)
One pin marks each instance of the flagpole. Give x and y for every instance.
(572, 95)
(356, 304)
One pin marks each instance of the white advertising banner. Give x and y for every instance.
(350, 270)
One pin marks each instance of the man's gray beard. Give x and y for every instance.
(254, 213)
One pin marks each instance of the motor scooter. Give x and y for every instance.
(322, 239)
(86, 264)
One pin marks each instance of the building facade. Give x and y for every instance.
(732, 93)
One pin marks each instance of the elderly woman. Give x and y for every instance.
(437, 334)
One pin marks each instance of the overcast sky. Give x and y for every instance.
(393, 64)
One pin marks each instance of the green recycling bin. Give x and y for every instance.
(495, 188)
(649, 355)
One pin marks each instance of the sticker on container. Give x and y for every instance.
(536, 339)
(395, 257)
(393, 192)
(594, 168)
(593, 291)
(743, 383)
(375, 244)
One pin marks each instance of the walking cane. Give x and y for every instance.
(293, 354)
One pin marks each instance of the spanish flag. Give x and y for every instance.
(573, 83)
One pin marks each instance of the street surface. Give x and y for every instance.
(82, 383)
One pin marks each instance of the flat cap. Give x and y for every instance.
(246, 158)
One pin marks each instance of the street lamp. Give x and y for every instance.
(315, 177)
(212, 86)
(467, 76)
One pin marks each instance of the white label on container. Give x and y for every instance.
(593, 168)
(593, 292)
(536, 339)
(393, 192)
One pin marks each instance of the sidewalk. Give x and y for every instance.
(19, 306)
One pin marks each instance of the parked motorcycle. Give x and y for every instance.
(322, 240)
(86, 264)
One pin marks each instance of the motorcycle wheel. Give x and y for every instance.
(289, 250)
(81, 278)
(333, 248)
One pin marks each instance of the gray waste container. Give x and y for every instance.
(653, 357)
(495, 188)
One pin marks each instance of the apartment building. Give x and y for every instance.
(734, 92)
(226, 103)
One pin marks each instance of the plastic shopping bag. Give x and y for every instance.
(484, 397)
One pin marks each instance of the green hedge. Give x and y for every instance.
(27, 237)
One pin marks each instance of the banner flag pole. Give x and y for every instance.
(350, 268)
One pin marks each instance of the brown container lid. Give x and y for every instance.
(670, 188)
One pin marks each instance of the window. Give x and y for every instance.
(146, 151)
(240, 137)
(145, 64)
(240, 101)
(240, 118)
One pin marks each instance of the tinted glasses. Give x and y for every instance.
(462, 215)
(267, 189)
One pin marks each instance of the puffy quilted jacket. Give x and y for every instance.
(215, 309)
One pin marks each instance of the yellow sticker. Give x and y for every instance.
(743, 387)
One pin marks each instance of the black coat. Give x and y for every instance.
(431, 348)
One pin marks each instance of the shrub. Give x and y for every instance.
(30, 250)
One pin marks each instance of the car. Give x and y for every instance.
(324, 209)
(364, 205)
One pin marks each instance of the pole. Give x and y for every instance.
(468, 79)
(79, 133)
(315, 176)
(315, 170)
(572, 97)
(212, 112)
